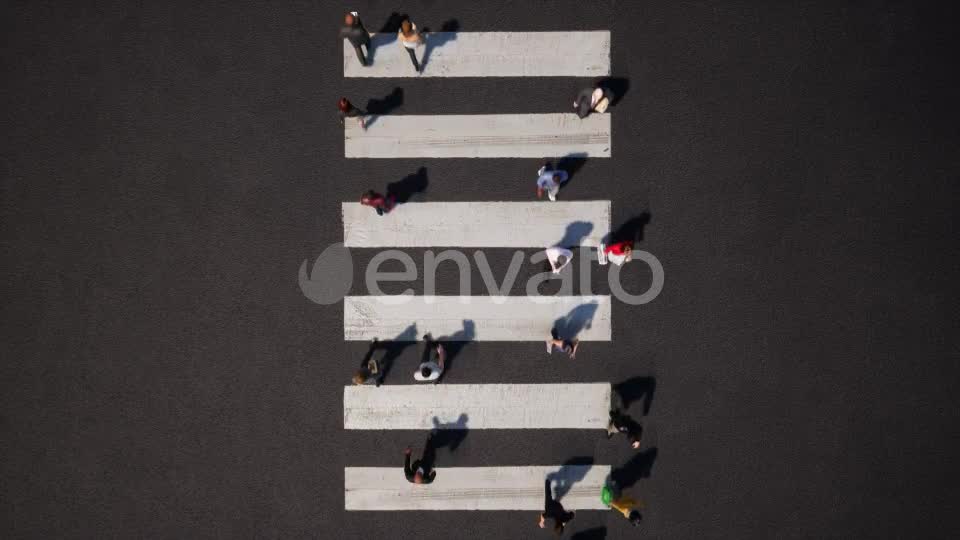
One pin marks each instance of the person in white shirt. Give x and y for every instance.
(428, 369)
(549, 181)
(558, 258)
(410, 37)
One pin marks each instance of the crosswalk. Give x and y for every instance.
(475, 488)
(488, 54)
(477, 406)
(479, 136)
(479, 224)
(476, 318)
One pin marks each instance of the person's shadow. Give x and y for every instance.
(409, 186)
(572, 471)
(438, 39)
(454, 343)
(631, 230)
(449, 435)
(639, 466)
(392, 24)
(596, 533)
(394, 348)
(570, 163)
(575, 233)
(617, 86)
(570, 325)
(379, 107)
(635, 388)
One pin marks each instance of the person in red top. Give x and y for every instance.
(618, 253)
(379, 203)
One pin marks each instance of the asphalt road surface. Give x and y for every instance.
(168, 166)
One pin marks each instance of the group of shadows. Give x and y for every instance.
(559, 483)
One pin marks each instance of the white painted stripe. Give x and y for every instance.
(476, 318)
(475, 488)
(535, 224)
(479, 136)
(477, 406)
(488, 54)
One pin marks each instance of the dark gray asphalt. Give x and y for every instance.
(167, 166)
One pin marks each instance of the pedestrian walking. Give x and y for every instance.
(354, 32)
(370, 371)
(563, 345)
(410, 37)
(347, 110)
(558, 258)
(619, 253)
(621, 423)
(552, 509)
(430, 370)
(628, 506)
(378, 202)
(420, 471)
(549, 182)
(589, 100)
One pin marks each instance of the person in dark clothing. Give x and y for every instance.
(421, 471)
(354, 32)
(552, 509)
(348, 110)
(370, 370)
(378, 202)
(590, 100)
(621, 423)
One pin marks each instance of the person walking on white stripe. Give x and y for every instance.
(354, 32)
(558, 258)
(410, 37)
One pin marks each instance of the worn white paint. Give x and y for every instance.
(476, 488)
(535, 224)
(488, 54)
(477, 406)
(552, 135)
(476, 318)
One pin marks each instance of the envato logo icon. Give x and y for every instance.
(331, 277)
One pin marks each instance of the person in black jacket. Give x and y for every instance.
(421, 472)
(590, 100)
(552, 509)
(354, 32)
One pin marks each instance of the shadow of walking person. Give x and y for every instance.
(454, 344)
(575, 233)
(570, 325)
(408, 186)
(630, 231)
(617, 86)
(639, 466)
(394, 348)
(596, 533)
(633, 389)
(572, 471)
(379, 107)
(450, 434)
(392, 24)
(433, 40)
